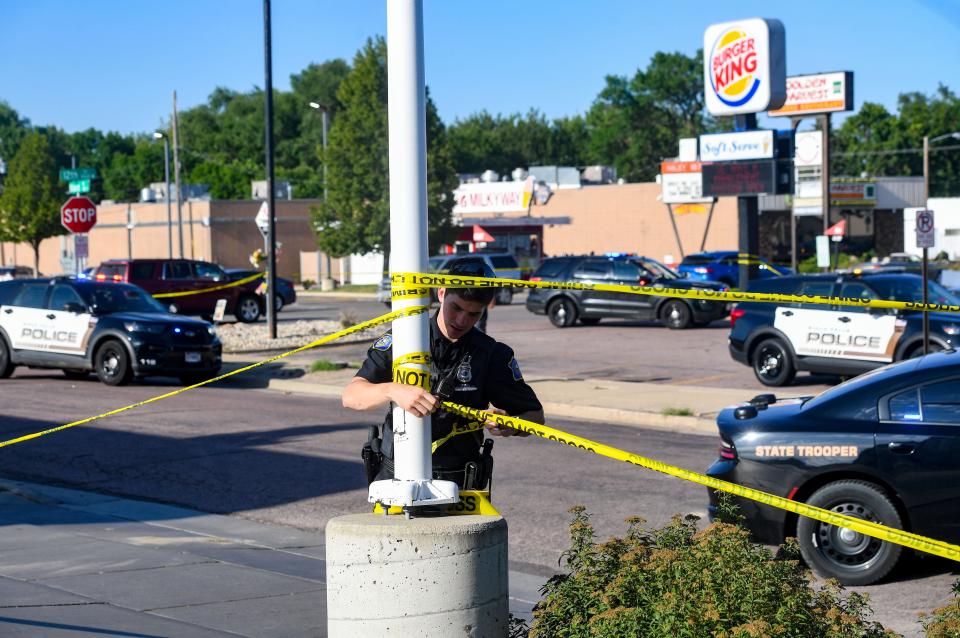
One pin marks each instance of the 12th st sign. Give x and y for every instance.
(78, 215)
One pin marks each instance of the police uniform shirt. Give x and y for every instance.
(482, 371)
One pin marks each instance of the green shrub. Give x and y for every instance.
(843, 260)
(944, 622)
(676, 412)
(308, 284)
(322, 365)
(678, 581)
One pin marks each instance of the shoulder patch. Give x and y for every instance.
(383, 343)
(515, 369)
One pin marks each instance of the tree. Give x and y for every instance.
(482, 141)
(634, 124)
(355, 218)
(30, 205)
(879, 143)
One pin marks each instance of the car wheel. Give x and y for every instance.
(562, 313)
(504, 296)
(676, 315)
(841, 553)
(248, 309)
(76, 375)
(772, 364)
(278, 303)
(112, 363)
(589, 321)
(6, 366)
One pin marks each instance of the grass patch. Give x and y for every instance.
(676, 412)
(322, 365)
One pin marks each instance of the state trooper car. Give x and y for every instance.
(116, 330)
(777, 340)
(882, 447)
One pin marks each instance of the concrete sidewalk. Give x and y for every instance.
(76, 563)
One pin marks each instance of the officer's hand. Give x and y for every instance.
(498, 430)
(413, 399)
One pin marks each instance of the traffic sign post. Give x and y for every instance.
(926, 239)
(78, 215)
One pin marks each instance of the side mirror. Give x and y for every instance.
(74, 307)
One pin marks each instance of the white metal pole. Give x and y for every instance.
(406, 114)
(166, 194)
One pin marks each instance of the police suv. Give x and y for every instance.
(116, 330)
(882, 447)
(777, 340)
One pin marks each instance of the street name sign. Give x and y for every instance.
(76, 174)
(79, 186)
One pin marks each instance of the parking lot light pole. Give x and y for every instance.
(927, 141)
(326, 282)
(166, 193)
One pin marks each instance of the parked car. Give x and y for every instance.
(116, 330)
(777, 340)
(158, 276)
(882, 447)
(724, 266)
(899, 262)
(504, 264)
(564, 307)
(15, 272)
(286, 293)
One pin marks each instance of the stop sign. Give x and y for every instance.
(79, 214)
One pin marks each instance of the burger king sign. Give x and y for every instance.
(744, 66)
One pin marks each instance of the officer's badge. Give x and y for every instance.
(515, 369)
(383, 343)
(464, 373)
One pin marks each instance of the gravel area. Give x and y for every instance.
(254, 337)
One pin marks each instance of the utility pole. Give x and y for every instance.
(825, 176)
(176, 172)
(272, 233)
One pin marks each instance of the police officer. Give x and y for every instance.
(468, 367)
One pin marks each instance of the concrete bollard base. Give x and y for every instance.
(428, 577)
(327, 284)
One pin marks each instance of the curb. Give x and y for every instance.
(700, 426)
(337, 295)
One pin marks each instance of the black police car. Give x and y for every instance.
(777, 340)
(564, 307)
(116, 330)
(882, 447)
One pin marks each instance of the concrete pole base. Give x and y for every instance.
(327, 284)
(436, 577)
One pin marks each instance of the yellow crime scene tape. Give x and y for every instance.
(478, 417)
(184, 293)
(407, 280)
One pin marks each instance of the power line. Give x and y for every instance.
(898, 151)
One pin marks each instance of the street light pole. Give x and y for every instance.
(166, 192)
(327, 282)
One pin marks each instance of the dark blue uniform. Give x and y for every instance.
(478, 371)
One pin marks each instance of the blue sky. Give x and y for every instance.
(112, 64)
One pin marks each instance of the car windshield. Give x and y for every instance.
(658, 269)
(436, 263)
(120, 298)
(911, 289)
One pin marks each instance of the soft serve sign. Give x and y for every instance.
(744, 66)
